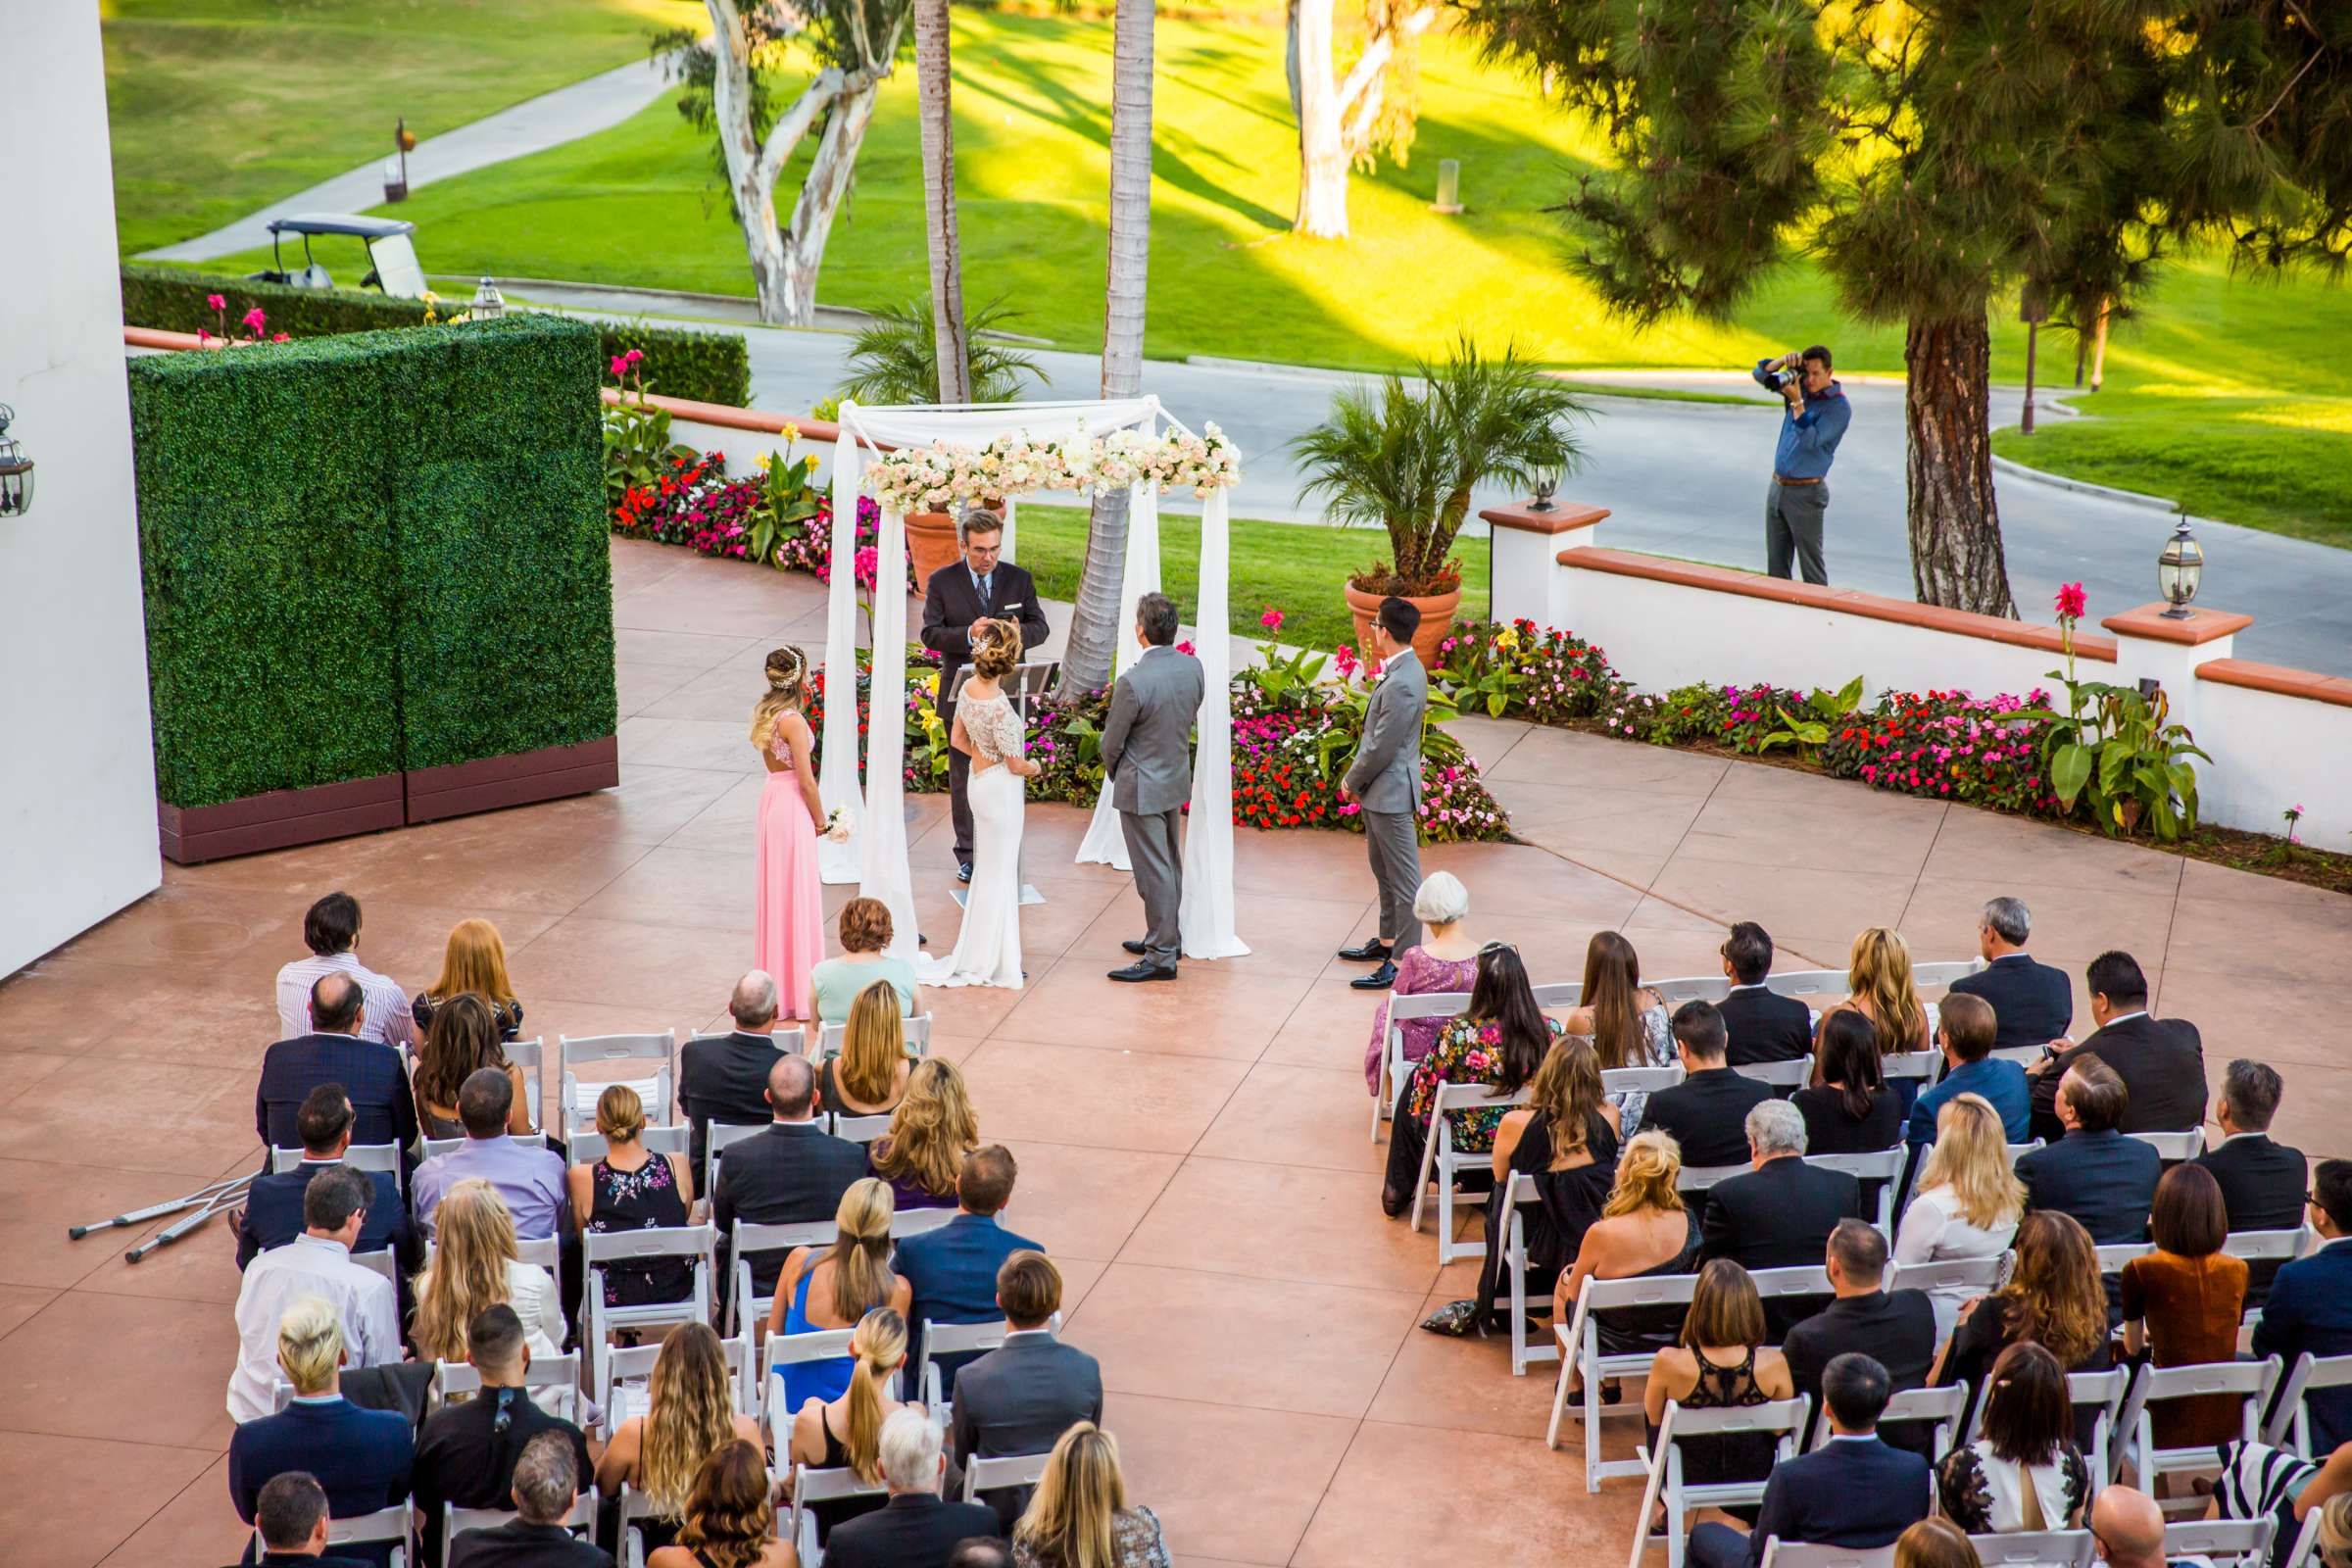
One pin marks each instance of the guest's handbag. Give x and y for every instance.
(1456, 1319)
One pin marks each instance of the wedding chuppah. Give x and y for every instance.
(940, 459)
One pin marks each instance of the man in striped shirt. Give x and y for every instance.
(332, 931)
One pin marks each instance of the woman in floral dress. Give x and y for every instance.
(1499, 1042)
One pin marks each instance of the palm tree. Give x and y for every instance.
(933, 78)
(1093, 629)
(896, 360)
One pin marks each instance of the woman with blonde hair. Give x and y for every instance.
(865, 930)
(476, 960)
(1643, 1229)
(689, 1415)
(475, 1265)
(921, 1157)
(869, 1076)
(1624, 1020)
(462, 1038)
(788, 923)
(1967, 1202)
(730, 1516)
(2053, 1297)
(1880, 987)
(846, 1434)
(632, 1188)
(1078, 1516)
(835, 1286)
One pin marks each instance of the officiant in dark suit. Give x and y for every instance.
(958, 597)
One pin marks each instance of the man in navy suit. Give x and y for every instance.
(360, 1457)
(2310, 1307)
(792, 1174)
(2095, 1173)
(2161, 1061)
(1856, 1491)
(2032, 1003)
(384, 1111)
(952, 1270)
(1762, 1024)
(273, 1213)
(292, 1520)
(2263, 1182)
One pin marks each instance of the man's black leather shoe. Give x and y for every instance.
(1138, 948)
(1374, 950)
(1146, 970)
(1380, 979)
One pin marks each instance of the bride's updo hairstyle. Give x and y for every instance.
(995, 650)
(787, 687)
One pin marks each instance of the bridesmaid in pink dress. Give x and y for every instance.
(789, 930)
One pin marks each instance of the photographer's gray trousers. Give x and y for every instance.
(1792, 515)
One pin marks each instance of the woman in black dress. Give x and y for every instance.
(1721, 1363)
(633, 1189)
(1565, 1137)
(1848, 1110)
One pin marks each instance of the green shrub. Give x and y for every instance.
(370, 552)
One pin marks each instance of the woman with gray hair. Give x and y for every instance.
(1447, 960)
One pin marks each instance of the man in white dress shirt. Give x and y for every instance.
(317, 1263)
(331, 931)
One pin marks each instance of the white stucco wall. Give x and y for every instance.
(78, 830)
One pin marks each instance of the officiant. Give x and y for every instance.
(959, 596)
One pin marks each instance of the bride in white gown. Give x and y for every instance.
(988, 950)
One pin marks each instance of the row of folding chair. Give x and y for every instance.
(2245, 1544)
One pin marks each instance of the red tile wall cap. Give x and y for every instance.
(1563, 518)
(1842, 601)
(2202, 626)
(2335, 690)
(148, 338)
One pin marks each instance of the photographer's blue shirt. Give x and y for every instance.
(1808, 440)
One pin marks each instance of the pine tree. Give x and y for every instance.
(1934, 155)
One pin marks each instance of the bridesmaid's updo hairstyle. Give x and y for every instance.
(787, 687)
(996, 650)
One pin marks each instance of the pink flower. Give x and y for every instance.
(2070, 602)
(255, 320)
(282, 337)
(620, 366)
(633, 356)
(1271, 620)
(1186, 648)
(217, 301)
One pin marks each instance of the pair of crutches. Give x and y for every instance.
(214, 1198)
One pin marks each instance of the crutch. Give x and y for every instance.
(207, 1200)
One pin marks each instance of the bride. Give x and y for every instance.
(988, 950)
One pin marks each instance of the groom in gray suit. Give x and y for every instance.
(1385, 780)
(1147, 747)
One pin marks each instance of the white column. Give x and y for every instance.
(883, 871)
(1206, 915)
(837, 769)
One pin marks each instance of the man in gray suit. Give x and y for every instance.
(1385, 780)
(1147, 747)
(1022, 1396)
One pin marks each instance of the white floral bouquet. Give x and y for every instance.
(944, 475)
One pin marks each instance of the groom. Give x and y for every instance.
(1385, 782)
(1147, 747)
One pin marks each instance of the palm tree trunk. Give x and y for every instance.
(932, 77)
(1095, 629)
(1955, 523)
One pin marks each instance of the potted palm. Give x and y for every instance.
(1408, 458)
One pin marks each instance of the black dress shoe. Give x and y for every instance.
(1373, 951)
(1146, 970)
(1380, 979)
(964, 872)
(1138, 948)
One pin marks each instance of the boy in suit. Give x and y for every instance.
(1021, 1397)
(952, 1270)
(1385, 781)
(1707, 1113)
(1762, 1025)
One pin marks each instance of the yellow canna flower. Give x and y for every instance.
(791, 431)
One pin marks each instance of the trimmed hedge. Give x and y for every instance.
(370, 552)
(679, 362)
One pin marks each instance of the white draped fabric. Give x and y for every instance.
(837, 774)
(1206, 916)
(1104, 844)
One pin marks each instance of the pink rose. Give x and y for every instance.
(1186, 648)
(2070, 602)
(255, 320)
(217, 301)
(620, 366)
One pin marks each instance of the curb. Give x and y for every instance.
(2059, 481)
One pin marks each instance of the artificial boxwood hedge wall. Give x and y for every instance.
(370, 552)
(679, 363)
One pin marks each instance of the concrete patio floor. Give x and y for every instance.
(1195, 1155)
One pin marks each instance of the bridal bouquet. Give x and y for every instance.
(836, 826)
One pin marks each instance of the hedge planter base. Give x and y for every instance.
(518, 779)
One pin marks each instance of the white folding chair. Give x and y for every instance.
(791, 1349)
(1012, 1470)
(359, 1157)
(623, 1388)
(2290, 1422)
(1521, 1190)
(382, 1261)
(1783, 1284)
(386, 1525)
(1691, 988)
(1779, 1553)
(2018, 1152)
(1556, 995)
(554, 1381)
(2245, 1541)
(635, 1509)
(2113, 1256)
(1944, 1406)
(813, 1486)
(792, 1038)
(2252, 1382)
(579, 1098)
(1786, 1417)
(601, 1249)
(1928, 975)
(2022, 1055)
(915, 1030)
(442, 1146)
(1983, 1274)
(1581, 1358)
(454, 1518)
(2036, 1548)
(530, 1055)
(2175, 1147)
(589, 1145)
(1647, 1080)
(719, 1136)
(750, 1311)
(1885, 1168)
(1394, 1068)
(1925, 1065)
(1437, 1155)
(1794, 1073)
(951, 1339)
(2306, 1550)
(1802, 983)
(1698, 1178)
(861, 1129)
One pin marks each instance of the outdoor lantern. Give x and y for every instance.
(16, 472)
(1547, 480)
(488, 303)
(2178, 568)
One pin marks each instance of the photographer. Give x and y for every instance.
(1811, 427)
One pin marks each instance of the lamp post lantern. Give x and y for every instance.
(16, 472)
(488, 303)
(2178, 568)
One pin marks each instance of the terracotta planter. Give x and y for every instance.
(930, 544)
(1437, 619)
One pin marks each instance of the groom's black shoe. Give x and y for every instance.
(1380, 979)
(964, 872)
(1140, 949)
(1373, 951)
(1146, 970)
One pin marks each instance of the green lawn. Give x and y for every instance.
(217, 107)
(1295, 567)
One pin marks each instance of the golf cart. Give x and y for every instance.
(395, 269)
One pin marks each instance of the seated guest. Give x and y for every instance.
(834, 1287)
(1444, 959)
(314, 1266)
(2263, 1182)
(916, 1529)
(1848, 1109)
(723, 1079)
(1499, 1042)
(2025, 1473)
(476, 1266)
(1707, 1113)
(1645, 1229)
(2259, 1481)
(1779, 1215)
(273, 1213)
(981, 1551)
(846, 1433)
(546, 1482)
(632, 1188)
(1019, 1397)
(359, 1457)
(2032, 1003)
(2310, 1307)
(1853, 1491)
(932, 1129)
(466, 1454)
(461, 1041)
(2183, 1302)
(689, 1415)
(1968, 1200)
(951, 1271)
(2129, 1528)
(331, 931)
(1895, 1328)
(2053, 1297)
(869, 1076)
(1721, 1363)
(291, 1518)
(529, 1177)
(1966, 1029)
(2161, 1061)
(1081, 1504)
(335, 1050)
(1935, 1543)
(792, 1174)
(474, 963)
(2095, 1173)
(731, 1517)
(1564, 1139)
(1880, 987)
(1762, 1024)
(865, 961)
(1623, 1020)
